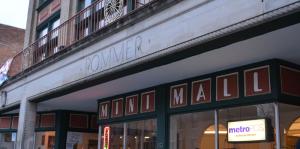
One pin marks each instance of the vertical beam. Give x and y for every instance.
(125, 135)
(26, 127)
(99, 136)
(65, 13)
(216, 129)
(141, 137)
(61, 128)
(277, 125)
(162, 117)
(30, 24)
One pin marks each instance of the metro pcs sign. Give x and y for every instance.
(250, 131)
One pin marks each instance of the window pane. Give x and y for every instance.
(43, 40)
(56, 24)
(290, 126)
(246, 113)
(43, 32)
(84, 3)
(8, 140)
(141, 134)
(80, 140)
(45, 140)
(192, 131)
(112, 136)
(87, 3)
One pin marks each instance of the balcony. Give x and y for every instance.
(89, 21)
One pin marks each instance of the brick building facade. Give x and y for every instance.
(11, 42)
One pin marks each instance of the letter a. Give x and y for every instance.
(200, 93)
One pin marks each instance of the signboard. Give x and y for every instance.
(127, 105)
(178, 95)
(290, 81)
(227, 86)
(74, 137)
(201, 91)
(250, 131)
(257, 81)
(106, 137)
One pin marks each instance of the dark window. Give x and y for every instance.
(84, 3)
(42, 2)
(47, 37)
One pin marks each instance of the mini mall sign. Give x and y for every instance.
(256, 82)
(128, 105)
(252, 82)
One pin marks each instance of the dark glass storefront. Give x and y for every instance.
(134, 135)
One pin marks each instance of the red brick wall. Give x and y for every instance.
(11, 42)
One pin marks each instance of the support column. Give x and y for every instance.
(125, 125)
(30, 24)
(216, 129)
(99, 136)
(162, 118)
(61, 128)
(277, 126)
(26, 127)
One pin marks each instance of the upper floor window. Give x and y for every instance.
(41, 34)
(47, 28)
(54, 26)
(48, 42)
(84, 3)
(42, 2)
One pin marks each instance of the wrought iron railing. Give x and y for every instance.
(89, 20)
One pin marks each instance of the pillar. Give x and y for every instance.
(26, 127)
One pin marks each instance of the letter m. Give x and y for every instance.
(231, 130)
(104, 111)
(178, 97)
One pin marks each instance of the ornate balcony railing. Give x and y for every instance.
(86, 22)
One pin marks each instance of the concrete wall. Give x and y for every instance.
(149, 38)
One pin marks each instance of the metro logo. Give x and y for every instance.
(239, 129)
